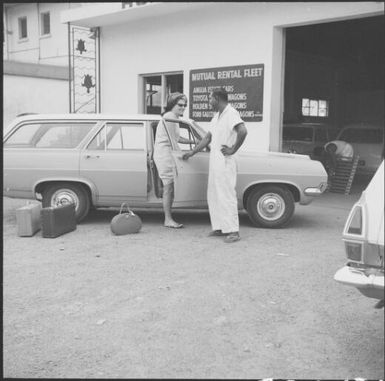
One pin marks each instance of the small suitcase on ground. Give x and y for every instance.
(28, 219)
(56, 221)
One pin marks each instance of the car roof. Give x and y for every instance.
(307, 124)
(364, 125)
(85, 116)
(96, 116)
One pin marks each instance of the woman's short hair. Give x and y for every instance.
(173, 99)
(220, 94)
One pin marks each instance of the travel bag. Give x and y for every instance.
(125, 223)
(28, 219)
(56, 221)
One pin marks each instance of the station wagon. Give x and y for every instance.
(363, 236)
(100, 160)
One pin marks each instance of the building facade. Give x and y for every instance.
(281, 62)
(151, 50)
(35, 59)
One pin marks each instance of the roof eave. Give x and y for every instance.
(113, 14)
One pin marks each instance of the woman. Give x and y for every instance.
(166, 131)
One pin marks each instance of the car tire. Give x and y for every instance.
(63, 193)
(270, 206)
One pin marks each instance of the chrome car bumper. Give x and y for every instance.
(314, 191)
(311, 192)
(370, 285)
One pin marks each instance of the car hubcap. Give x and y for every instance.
(271, 206)
(64, 197)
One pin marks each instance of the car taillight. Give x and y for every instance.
(355, 226)
(353, 250)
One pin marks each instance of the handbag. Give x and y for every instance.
(125, 223)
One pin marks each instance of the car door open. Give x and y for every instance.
(191, 182)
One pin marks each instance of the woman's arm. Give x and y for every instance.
(185, 141)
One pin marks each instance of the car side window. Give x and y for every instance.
(321, 135)
(119, 136)
(186, 133)
(23, 136)
(304, 134)
(49, 135)
(350, 135)
(363, 136)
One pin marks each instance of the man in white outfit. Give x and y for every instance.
(227, 133)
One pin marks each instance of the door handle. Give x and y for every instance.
(90, 156)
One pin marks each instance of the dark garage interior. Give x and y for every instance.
(334, 77)
(342, 62)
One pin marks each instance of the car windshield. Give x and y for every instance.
(298, 133)
(362, 135)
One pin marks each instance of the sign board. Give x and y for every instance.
(244, 85)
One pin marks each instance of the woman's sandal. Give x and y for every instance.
(176, 226)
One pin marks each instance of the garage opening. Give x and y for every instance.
(334, 77)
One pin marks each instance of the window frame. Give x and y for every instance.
(20, 21)
(316, 101)
(192, 132)
(165, 89)
(103, 130)
(42, 24)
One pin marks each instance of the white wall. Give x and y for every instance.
(174, 43)
(43, 96)
(32, 94)
(50, 49)
(214, 35)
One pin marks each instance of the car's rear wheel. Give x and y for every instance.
(270, 206)
(66, 193)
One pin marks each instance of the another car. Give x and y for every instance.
(368, 142)
(363, 236)
(103, 160)
(305, 138)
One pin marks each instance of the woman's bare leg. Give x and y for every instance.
(168, 199)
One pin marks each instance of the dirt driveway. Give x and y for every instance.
(177, 304)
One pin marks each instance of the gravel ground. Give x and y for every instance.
(177, 304)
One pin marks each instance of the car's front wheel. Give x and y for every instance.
(65, 193)
(270, 206)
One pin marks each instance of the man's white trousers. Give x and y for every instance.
(221, 194)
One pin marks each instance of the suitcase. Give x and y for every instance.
(56, 221)
(28, 219)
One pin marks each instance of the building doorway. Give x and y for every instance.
(334, 79)
(334, 73)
